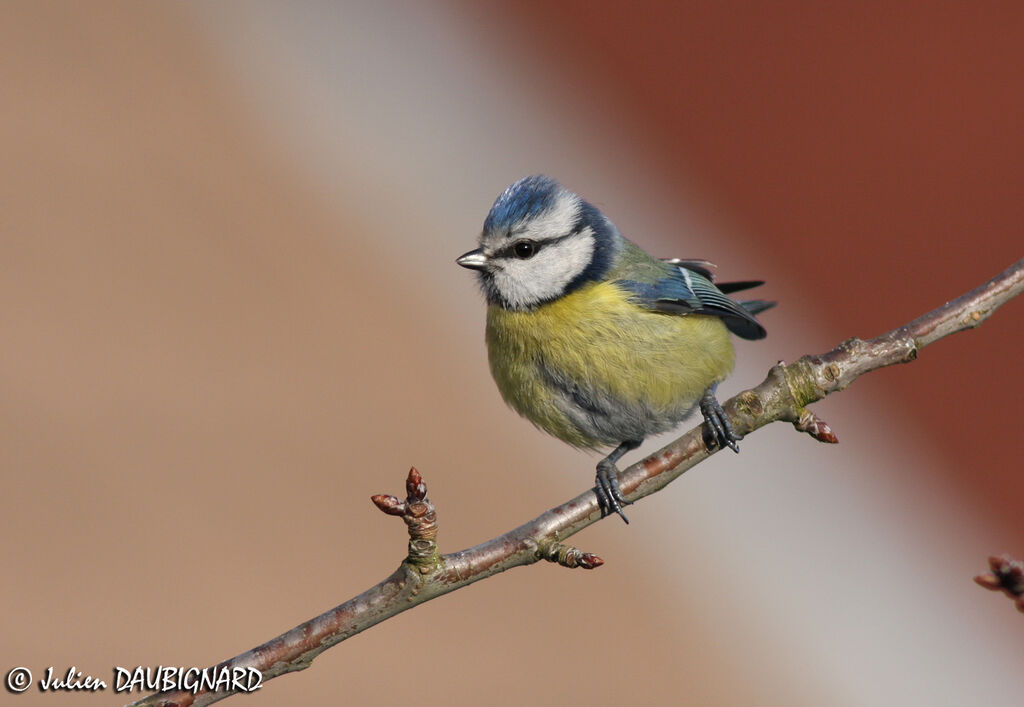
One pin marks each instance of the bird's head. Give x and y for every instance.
(540, 242)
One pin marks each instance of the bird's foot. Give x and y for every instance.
(609, 495)
(718, 431)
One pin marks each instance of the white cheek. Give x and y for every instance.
(524, 283)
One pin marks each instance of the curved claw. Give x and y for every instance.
(719, 428)
(609, 495)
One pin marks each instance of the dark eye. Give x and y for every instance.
(525, 249)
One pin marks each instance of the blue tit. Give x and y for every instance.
(595, 341)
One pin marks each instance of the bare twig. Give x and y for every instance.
(1006, 575)
(424, 574)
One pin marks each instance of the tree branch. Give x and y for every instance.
(425, 573)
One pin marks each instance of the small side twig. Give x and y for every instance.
(418, 513)
(425, 574)
(569, 556)
(807, 421)
(1005, 575)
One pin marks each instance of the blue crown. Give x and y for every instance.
(528, 197)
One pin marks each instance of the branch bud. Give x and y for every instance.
(414, 485)
(389, 504)
(816, 427)
(1007, 576)
(569, 556)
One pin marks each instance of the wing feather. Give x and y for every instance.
(686, 288)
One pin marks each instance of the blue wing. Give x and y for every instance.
(688, 290)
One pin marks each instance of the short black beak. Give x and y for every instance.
(474, 260)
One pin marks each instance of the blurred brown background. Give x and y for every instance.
(229, 314)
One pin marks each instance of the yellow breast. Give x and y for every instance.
(598, 339)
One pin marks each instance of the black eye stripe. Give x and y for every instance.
(509, 251)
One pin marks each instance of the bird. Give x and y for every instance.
(595, 341)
